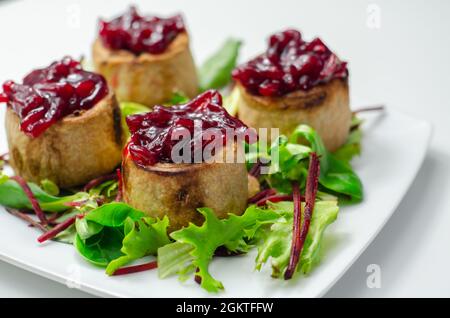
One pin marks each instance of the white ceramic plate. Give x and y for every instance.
(394, 148)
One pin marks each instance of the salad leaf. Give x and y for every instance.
(86, 229)
(336, 175)
(115, 234)
(292, 164)
(113, 214)
(216, 71)
(101, 232)
(130, 108)
(177, 98)
(352, 146)
(101, 248)
(13, 196)
(231, 233)
(174, 258)
(50, 187)
(276, 243)
(108, 189)
(3, 177)
(142, 237)
(67, 236)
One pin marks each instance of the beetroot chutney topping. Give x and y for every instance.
(140, 34)
(152, 133)
(290, 64)
(49, 94)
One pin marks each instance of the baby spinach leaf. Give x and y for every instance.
(351, 148)
(101, 248)
(67, 236)
(50, 187)
(86, 229)
(216, 71)
(13, 196)
(113, 214)
(115, 234)
(336, 175)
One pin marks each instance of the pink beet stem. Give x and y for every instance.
(136, 268)
(27, 218)
(301, 228)
(58, 228)
(274, 198)
(197, 278)
(34, 202)
(74, 204)
(97, 181)
(262, 194)
(255, 170)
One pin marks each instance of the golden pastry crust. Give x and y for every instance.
(148, 79)
(253, 186)
(177, 190)
(324, 107)
(72, 151)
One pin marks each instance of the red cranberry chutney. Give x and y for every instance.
(151, 133)
(288, 65)
(140, 34)
(49, 94)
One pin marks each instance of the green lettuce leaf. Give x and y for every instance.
(50, 187)
(101, 248)
(115, 234)
(352, 146)
(216, 71)
(142, 238)
(336, 175)
(233, 233)
(175, 258)
(130, 108)
(113, 214)
(12, 196)
(276, 243)
(177, 98)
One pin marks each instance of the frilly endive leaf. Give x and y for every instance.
(214, 232)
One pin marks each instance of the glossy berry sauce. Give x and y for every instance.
(140, 34)
(152, 134)
(290, 64)
(49, 94)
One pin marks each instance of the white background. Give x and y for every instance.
(405, 63)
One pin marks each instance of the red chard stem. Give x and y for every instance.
(97, 181)
(58, 228)
(136, 268)
(262, 194)
(34, 202)
(301, 227)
